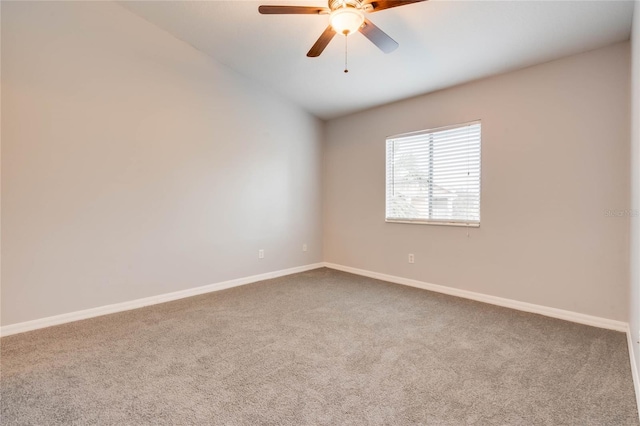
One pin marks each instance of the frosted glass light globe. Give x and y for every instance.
(346, 20)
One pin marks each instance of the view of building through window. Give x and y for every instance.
(434, 176)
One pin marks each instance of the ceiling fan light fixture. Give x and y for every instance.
(346, 20)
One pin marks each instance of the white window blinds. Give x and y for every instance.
(433, 176)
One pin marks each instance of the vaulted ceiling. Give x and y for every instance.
(442, 43)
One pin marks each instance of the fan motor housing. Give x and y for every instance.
(337, 4)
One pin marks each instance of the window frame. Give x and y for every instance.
(440, 222)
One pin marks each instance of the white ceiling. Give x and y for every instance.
(442, 43)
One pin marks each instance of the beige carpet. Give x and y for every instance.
(318, 348)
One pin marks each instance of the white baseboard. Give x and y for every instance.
(147, 301)
(634, 368)
(494, 300)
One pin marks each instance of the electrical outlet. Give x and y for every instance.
(411, 258)
(304, 247)
(261, 254)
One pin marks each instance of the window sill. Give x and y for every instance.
(435, 222)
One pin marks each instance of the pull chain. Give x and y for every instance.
(345, 53)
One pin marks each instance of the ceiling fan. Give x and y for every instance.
(345, 17)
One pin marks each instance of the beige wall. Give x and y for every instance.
(554, 158)
(133, 165)
(634, 317)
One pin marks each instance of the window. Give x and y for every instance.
(433, 176)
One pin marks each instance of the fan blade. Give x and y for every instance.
(322, 42)
(292, 10)
(376, 5)
(378, 37)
